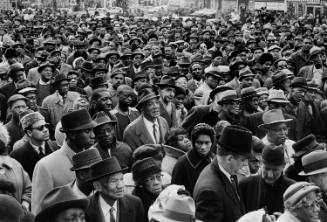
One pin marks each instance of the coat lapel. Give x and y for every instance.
(162, 129)
(124, 211)
(93, 212)
(142, 132)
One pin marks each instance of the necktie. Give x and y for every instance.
(233, 179)
(155, 133)
(111, 212)
(41, 153)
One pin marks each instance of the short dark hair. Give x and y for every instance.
(203, 129)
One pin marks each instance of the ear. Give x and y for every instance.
(29, 133)
(229, 158)
(97, 186)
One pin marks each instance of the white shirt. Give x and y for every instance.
(37, 149)
(105, 208)
(44, 83)
(316, 77)
(288, 151)
(149, 127)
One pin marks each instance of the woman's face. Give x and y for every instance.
(183, 142)
(153, 183)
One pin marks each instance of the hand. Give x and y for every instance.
(26, 205)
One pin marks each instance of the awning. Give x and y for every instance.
(306, 1)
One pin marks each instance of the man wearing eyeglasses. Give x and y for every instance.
(230, 107)
(37, 145)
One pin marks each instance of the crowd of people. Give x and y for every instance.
(124, 119)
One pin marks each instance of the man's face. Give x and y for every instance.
(117, 80)
(63, 87)
(39, 131)
(298, 94)
(72, 214)
(212, 81)
(137, 59)
(247, 81)
(104, 103)
(106, 134)
(84, 138)
(151, 108)
(317, 60)
(167, 94)
(237, 162)
(275, 53)
(266, 65)
(270, 173)
(111, 187)
(47, 73)
(254, 103)
(73, 79)
(153, 183)
(18, 107)
(113, 59)
(307, 45)
(31, 100)
(126, 97)
(309, 212)
(93, 54)
(257, 53)
(281, 65)
(232, 107)
(320, 180)
(262, 101)
(278, 133)
(197, 71)
(203, 145)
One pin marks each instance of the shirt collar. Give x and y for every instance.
(146, 121)
(105, 207)
(44, 83)
(224, 171)
(36, 148)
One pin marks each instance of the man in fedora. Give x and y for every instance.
(298, 109)
(59, 103)
(54, 169)
(302, 147)
(276, 100)
(167, 89)
(275, 125)
(154, 127)
(61, 203)
(266, 189)
(315, 170)
(250, 101)
(82, 163)
(106, 140)
(205, 113)
(109, 203)
(230, 107)
(302, 203)
(216, 192)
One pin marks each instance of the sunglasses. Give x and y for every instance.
(42, 127)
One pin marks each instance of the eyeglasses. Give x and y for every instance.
(42, 127)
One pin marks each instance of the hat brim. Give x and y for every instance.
(323, 170)
(106, 122)
(166, 85)
(89, 125)
(227, 100)
(49, 212)
(158, 216)
(267, 125)
(107, 174)
(141, 103)
(277, 101)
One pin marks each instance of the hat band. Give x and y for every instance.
(315, 165)
(177, 216)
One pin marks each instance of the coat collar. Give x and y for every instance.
(195, 160)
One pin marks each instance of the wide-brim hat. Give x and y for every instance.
(242, 145)
(228, 95)
(59, 78)
(58, 200)
(92, 49)
(306, 145)
(104, 168)
(167, 81)
(248, 92)
(102, 118)
(77, 120)
(44, 65)
(273, 117)
(314, 163)
(279, 77)
(219, 89)
(144, 96)
(99, 67)
(277, 96)
(85, 159)
(299, 82)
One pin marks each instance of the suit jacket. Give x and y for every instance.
(171, 119)
(200, 114)
(307, 72)
(130, 208)
(298, 60)
(215, 198)
(136, 134)
(50, 172)
(5, 92)
(28, 157)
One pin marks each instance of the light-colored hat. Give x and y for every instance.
(314, 163)
(262, 91)
(31, 118)
(272, 117)
(228, 95)
(277, 96)
(297, 192)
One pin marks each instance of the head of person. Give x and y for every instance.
(78, 127)
(230, 102)
(315, 168)
(282, 81)
(46, 71)
(17, 72)
(167, 88)
(11, 55)
(178, 138)
(213, 79)
(197, 71)
(263, 94)
(105, 131)
(82, 163)
(35, 127)
(108, 179)
(276, 99)
(61, 83)
(81, 103)
(256, 156)
(272, 164)
(316, 56)
(73, 77)
(233, 154)
(276, 126)
(203, 139)
(250, 99)
(117, 78)
(147, 175)
(17, 104)
(100, 101)
(148, 104)
(62, 204)
(139, 79)
(302, 200)
(246, 77)
(299, 88)
(30, 93)
(266, 60)
(307, 44)
(125, 95)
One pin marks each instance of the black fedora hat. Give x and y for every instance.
(242, 145)
(57, 200)
(103, 118)
(44, 65)
(104, 168)
(144, 96)
(306, 145)
(167, 81)
(248, 92)
(77, 120)
(97, 82)
(59, 78)
(85, 159)
(299, 82)
(219, 89)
